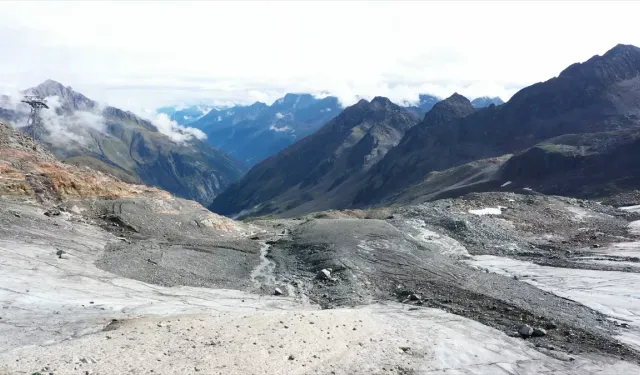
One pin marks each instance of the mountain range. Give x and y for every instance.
(186, 115)
(82, 132)
(343, 149)
(555, 137)
(253, 133)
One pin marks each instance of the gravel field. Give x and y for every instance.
(136, 285)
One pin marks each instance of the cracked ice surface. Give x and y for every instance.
(613, 293)
(357, 340)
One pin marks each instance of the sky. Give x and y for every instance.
(142, 55)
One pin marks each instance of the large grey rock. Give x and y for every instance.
(324, 274)
(525, 330)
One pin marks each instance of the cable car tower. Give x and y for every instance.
(34, 127)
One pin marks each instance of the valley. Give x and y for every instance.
(449, 236)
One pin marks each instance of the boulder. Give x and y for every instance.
(52, 212)
(324, 274)
(525, 330)
(539, 332)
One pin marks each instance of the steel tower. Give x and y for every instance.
(34, 127)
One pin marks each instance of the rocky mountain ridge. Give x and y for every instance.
(254, 132)
(129, 147)
(599, 96)
(344, 148)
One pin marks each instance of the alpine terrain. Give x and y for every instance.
(253, 133)
(554, 137)
(101, 276)
(312, 169)
(447, 237)
(81, 132)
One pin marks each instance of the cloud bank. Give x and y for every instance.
(227, 53)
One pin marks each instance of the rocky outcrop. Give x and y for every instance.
(27, 170)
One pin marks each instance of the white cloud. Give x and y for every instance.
(62, 129)
(11, 101)
(171, 129)
(67, 129)
(377, 48)
(277, 129)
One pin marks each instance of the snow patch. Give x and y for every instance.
(622, 249)
(635, 208)
(487, 211)
(506, 184)
(580, 214)
(634, 227)
(279, 115)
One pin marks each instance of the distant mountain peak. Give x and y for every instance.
(424, 104)
(426, 98)
(455, 106)
(622, 49)
(486, 101)
(51, 82)
(70, 99)
(455, 97)
(50, 87)
(258, 105)
(381, 101)
(294, 96)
